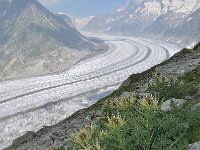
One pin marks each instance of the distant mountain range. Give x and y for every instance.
(174, 20)
(79, 23)
(34, 41)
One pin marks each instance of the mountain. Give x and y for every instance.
(68, 19)
(79, 23)
(34, 41)
(172, 20)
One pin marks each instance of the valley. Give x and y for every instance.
(28, 104)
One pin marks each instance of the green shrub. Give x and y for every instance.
(166, 88)
(139, 124)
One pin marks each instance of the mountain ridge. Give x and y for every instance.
(152, 18)
(34, 41)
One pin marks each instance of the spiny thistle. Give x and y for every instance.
(95, 146)
(147, 85)
(159, 78)
(120, 103)
(162, 79)
(108, 103)
(115, 122)
(83, 136)
(149, 102)
(124, 103)
(103, 134)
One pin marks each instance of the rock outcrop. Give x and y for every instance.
(194, 146)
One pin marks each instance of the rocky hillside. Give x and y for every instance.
(173, 20)
(184, 66)
(34, 41)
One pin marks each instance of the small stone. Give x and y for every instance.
(143, 94)
(197, 92)
(189, 98)
(58, 144)
(127, 94)
(98, 113)
(196, 106)
(194, 146)
(45, 141)
(58, 134)
(71, 130)
(166, 106)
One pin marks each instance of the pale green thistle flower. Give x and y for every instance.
(103, 134)
(115, 122)
(123, 103)
(149, 102)
(95, 146)
(84, 135)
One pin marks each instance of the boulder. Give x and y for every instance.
(166, 106)
(127, 94)
(195, 95)
(194, 146)
(196, 106)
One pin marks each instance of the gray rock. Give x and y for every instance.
(197, 92)
(189, 97)
(194, 146)
(28, 136)
(166, 106)
(196, 106)
(127, 94)
(195, 95)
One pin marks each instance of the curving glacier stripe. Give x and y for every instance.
(30, 103)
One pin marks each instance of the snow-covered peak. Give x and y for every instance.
(163, 6)
(80, 23)
(167, 18)
(120, 9)
(182, 6)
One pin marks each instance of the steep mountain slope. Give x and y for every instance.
(159, 18)
(34, 41)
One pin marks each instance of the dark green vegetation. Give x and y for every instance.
(138, 122)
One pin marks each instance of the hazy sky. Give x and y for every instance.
(82, 8)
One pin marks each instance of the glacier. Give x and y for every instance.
(28, 104)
